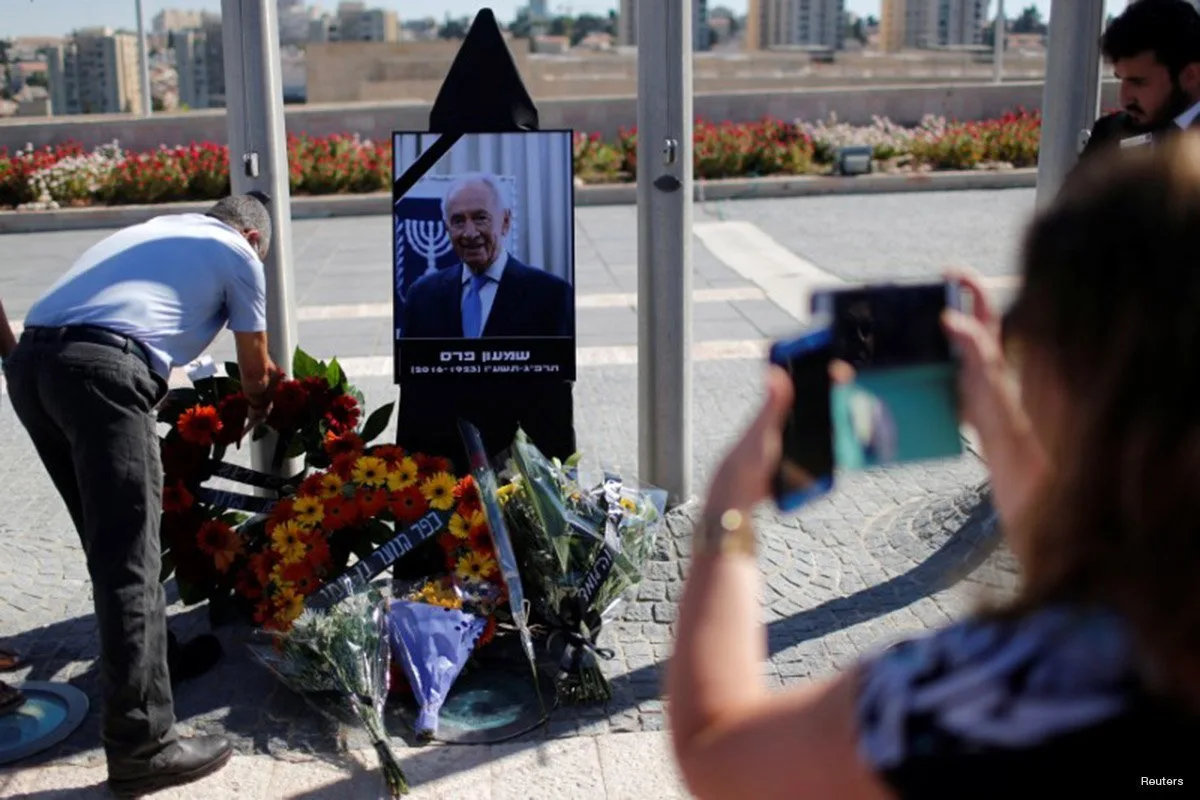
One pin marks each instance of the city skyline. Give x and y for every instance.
(45, 17)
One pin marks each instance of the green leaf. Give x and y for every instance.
(233, 371)
(168, 566)
(295, 448)
(380, 533)
(377, 422)
(334, 375)
(305, 366)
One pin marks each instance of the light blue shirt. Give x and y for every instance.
(487, 294)
(171, 283)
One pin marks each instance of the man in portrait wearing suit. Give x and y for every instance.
(489, 293)
(1154, 50)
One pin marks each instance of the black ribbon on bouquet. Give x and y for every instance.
(368, 569)
(244, 502)
(579, 612)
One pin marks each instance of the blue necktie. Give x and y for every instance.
(472, 307)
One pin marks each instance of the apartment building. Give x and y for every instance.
(175, 19)
(95, 71)
(627, 33)
(354, 22)
(795, 23)
(932, 24)
(200, 62)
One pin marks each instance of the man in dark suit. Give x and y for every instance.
(490, 293)
(1154, 49)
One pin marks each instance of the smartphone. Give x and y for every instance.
(894, 395)
(807, 464)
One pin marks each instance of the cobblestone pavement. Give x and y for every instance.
(891, 553)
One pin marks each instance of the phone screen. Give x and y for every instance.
(894, 396)
(807, 464)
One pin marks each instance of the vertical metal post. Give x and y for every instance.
(258, 160)
(998, 35)
(143, 62)
(1071, 96)
(664, 184)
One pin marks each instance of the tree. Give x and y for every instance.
(1030, 21)
(522, 26)
(586, 24)
(38, 79)
(859, 31)
(454, 28)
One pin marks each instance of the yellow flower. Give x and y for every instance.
(459, 526)
(445, 597)
(309, 511)
(331, 485)
(475, 566)
(439, 491)
(290, 605)
(628, 504)
(404, 475)
(370, 471)
(288, 541)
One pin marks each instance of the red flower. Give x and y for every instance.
(390, 454)
(311, 486)
(199, 425)
(408, 505)
(343, 414)
(343, 465)
(233, 412)
(282, 512)
(287, 406)
(340, 444)
(489, 632)
(467, 494)
(183, 461)
(176, 498)
(431, 465)
(319, 395)
(319, 559)
(301, 577)
(479, 539)
(339, 513)
(371, 502)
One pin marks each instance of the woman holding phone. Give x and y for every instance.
(1090, 677)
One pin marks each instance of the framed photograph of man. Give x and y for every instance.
(485, 257)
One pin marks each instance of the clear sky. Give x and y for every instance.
(56, 17)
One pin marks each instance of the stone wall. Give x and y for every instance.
(604, 115)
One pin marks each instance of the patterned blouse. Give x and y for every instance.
(990, 708)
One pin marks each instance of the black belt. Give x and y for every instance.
(91, 335)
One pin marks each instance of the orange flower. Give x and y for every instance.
(340, 444)
(479, 539)
(371, 502)
(339, 513)
(408, 505)
(199, 425)
(221, 542)
(176, 498)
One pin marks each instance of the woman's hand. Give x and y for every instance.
(744, 478)
(990, 403)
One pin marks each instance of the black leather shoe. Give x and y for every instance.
(192, 658)
(180, 762)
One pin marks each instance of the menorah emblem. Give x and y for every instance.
(428, 238)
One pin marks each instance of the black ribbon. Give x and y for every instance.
(263, 480)
(241, 502)
(578, 645)
(367, 569)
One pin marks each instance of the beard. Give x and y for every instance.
(1177, 102)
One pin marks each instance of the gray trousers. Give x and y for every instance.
(90, 411)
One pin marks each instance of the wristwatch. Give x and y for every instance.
(731, 532)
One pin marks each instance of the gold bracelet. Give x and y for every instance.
(732, 532)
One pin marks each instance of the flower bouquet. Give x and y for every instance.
(580, 549)
(342, 652)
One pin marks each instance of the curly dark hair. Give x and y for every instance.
(1168, 28)
(1110, 299)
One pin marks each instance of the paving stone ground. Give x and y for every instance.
(891, 553)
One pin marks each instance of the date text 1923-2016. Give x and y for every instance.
(549, 358)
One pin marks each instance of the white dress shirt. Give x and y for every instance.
(1185, 119)
(487, 294)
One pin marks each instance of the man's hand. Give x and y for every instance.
(259, 409)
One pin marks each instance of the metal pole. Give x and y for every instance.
(258, 160)
(1071, 96)
(998, 34)
(664, 185)
(144, 62)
